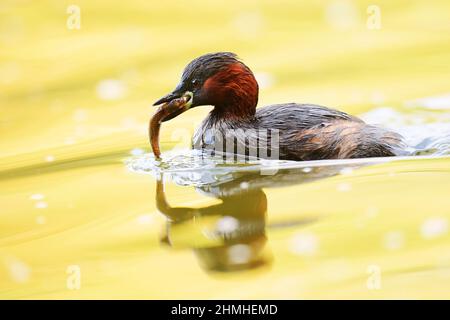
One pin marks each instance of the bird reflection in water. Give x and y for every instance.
(232, 233)
(231, 236)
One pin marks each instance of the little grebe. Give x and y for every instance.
(306, 131)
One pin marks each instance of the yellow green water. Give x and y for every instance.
(70, 205)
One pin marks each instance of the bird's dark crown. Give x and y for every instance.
(203, 67)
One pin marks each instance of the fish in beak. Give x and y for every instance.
(179, 109)
(172, 107)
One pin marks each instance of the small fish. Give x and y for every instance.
(165, 112)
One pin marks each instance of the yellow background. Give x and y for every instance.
(60, 138)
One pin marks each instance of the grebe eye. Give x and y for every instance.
(195, 82)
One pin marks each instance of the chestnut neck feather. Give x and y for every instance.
(234, 92)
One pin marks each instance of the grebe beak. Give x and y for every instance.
(169, 97)
(185, 98)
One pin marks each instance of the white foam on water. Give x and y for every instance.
(304, 244)
(434, 227)
(424, 131)
(441, 102)
(19, 271)
(110, 89)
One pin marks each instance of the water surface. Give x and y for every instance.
(86, 212)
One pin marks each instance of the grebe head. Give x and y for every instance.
(221, 80)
